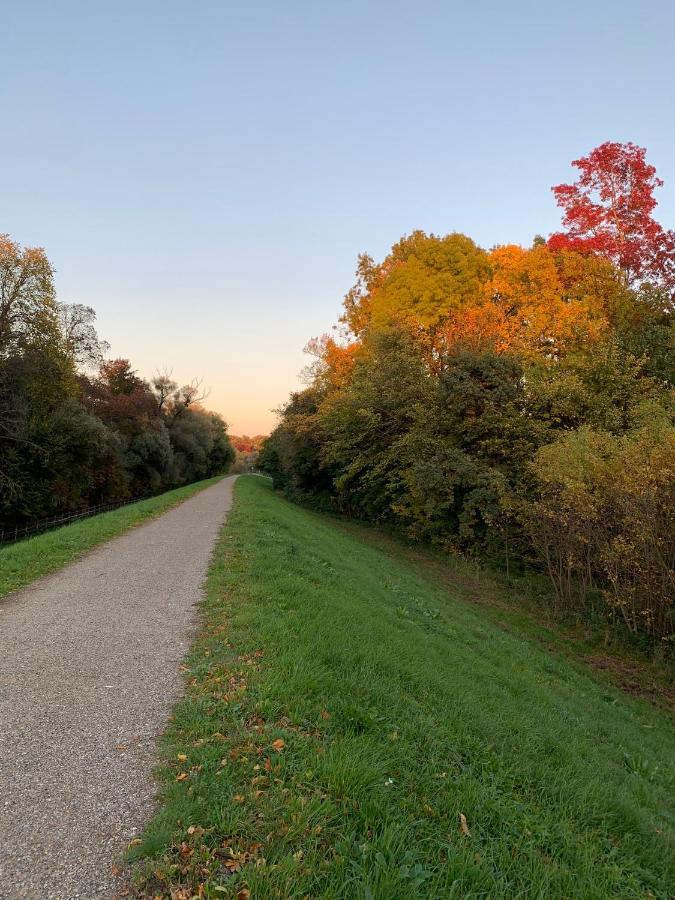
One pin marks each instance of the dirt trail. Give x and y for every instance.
(89, 670)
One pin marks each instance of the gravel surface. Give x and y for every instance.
(89, 670)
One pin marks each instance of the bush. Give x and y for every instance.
(605, 520)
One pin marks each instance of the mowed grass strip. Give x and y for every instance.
(352, 730)
(24, 562)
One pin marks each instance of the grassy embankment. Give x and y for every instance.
(353, 729)
(28, 560)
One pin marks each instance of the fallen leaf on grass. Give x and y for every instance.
(279, 744)
(463, 826)
(243, 894)
(325, 714)
(181, 776)
(182, 757)
(181, 894)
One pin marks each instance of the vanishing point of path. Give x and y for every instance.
(89, 670)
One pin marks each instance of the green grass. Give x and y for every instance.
(524, 604)
(400, 707)
(24, 562)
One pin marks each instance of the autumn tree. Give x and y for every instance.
(27, 297)
(432, 407)
(608, 211)
(70, 437)
(423, 278)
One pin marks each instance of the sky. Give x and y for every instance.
(205, 174)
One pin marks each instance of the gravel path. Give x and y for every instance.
(89, 670)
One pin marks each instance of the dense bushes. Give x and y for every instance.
(605, 518)
(76, 430)
(515, 403)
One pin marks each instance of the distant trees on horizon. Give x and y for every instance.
(246, 450)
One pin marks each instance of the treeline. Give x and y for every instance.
(245, 444)
(515, 403)
(77, 430)
(246, 451)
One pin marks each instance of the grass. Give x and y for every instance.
(524, 604)
(352, 729)
(24, 562)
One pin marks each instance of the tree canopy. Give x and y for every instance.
(77, 429)
(515, 402)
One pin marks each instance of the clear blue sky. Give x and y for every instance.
(204, 174)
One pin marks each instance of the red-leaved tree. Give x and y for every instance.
(608, 211)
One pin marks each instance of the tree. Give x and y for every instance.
(173, 401)
(222, 452)
(126, 404)
(165, 389)
(120, 379)
(69, 439)
(27, 298)
(292, 453)
(81, 340)
(363, 422)
(467, 451)
(422, 280)
(608, 211)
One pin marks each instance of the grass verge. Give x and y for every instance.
(351, 729)
(523, 604)
(24, 562)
